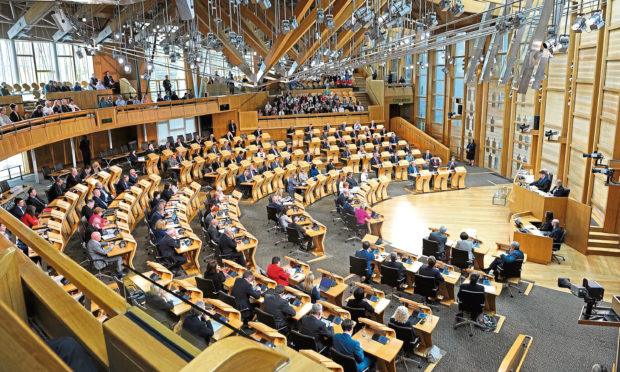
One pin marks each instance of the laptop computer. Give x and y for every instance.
(326, 284)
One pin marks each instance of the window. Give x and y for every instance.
(7, 69)
(408, 62)
(422, 71)
(439, 86)
(162, 66)
(174, 128)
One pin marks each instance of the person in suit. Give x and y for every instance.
(306, 241)
(14, 115)
(278, 307)
(471, 286)
(395, 263)
(228, 246)
(313, 326)
(98, 199)
(345, 344)
(465, 245)
(167, 248)
(159, 230)
(330, 165)
(56, 190)
(232, 128)
(215, 274)
(547, 226)
(543, 183)
(197, 323)
(87, 209)
(375, 162)
(401, 318)
(471, 152)
(558, 190)
(242, 290)
(106, 196)
(413, 172)
(133, 177)
(86, 172)
(292, 183)
(359, 302)
(155, 201)
(85, 149)
(35, 201)
(308, 158)
(99, 256)
(277, 273)
(157, 298)
(167, 192)
(430, 270)
(452, 164)
(366, 253)
(513, 254)
(434, 164)
(72, 179)
(214, 230)
(556, 232)
(309, 136)
(427, 156)
(441, 238)
(243, 178)
(156, 215)
(123, 184)
(258, 132)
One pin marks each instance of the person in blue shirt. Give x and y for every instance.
(514, 254)
(366, 253)
(313, 171)
(345, 344)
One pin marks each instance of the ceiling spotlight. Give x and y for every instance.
(127, 68)
(444, 5)
(596, 21)
(457, 9)
(264, 4)
(192, 65)
(518, 20)
(286, 28)
(149, 65)
(563, 43)
(83, 19)
(320, 15)
(329, 21)
(121, 59)
(579, 25)
(79, 53)
(117, 36)
(294, 23)
(145, 76)
(431, 20)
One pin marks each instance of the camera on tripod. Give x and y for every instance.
(590, 291)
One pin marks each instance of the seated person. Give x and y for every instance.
(359, 302)
(366, 253)
(471, 286)
(215, 274)
(157, 298)
(543, 183)
(441, 238)
(276, 273)
(285, 220)
(56, 190)
(362, 216)
(306, 241)
(167, 248)
(465, 245)
(167, 192)
(87, 209)
(395, 263)
(198, 324)
(160, 230)
(547, 225)
(313, 326)
(401, 318)
(35, 201)
(98, 198)
(214, 230)
(99, 256)
(429, 270)
(559, 190)
(278, 307)
(413, 171)
(123, 184)
(513, 254)
(556, 232)
(96, 219)
(228, 246)
(345, 344)
(242, 290)
(30, 218)
(158, 214)
(275, 203)
(308, 287)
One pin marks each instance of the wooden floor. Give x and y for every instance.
(408, 217)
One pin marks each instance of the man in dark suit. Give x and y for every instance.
(429, 270)
(258, 132)
(232, 128)
(375, 162)
(99, 202)
(308, 158)
(413, 172)
(376, 141)
(228, 246)
(427, 156)
(153, 203)
(197, 323)
(86, 172)
(73, 179)
(393, 139)
(242, 290)
(156, 215)
(35, 201)
(309, 136)
(556, 232)
(471, 286)
(452, 164)
(274, 151)
(313, 326)
(123, 184)
(543, 183)
(286, 161)
(434, 164)
(395, 263)
(167, 248)
(278, 307)
(441, 238)
(330, 165)
(558, 190)
(345, 344)
(133, 177)
(19, 208)
(305, 240)
(87, 209)
(214, 231)
(56, 190)
(513, 254)
(275, 164)
(352, 182)
(106, 196)
(366, 253)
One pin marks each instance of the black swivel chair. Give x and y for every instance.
(272, 215)
(299, 341)
(346, 362)
(58, 166)
(351, 223)
(358, 266)
(356, 313)
(556, 247)
(427, 287)
(390, 276)
(472, 304)
(292, 236)
(46, 172)
(268, 320)
(410, 344)
(430, 248)
(207, 287)
(219, 256)
(509, 273)
(188, 137)
(460, 259)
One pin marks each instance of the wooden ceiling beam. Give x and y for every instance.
(33, 15)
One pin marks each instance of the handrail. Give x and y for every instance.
(93, 288)
(421, 140)
(29, 123)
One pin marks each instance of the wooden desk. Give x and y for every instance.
(297, 270)
(334, 311)
(385, 354)
(127, 252)
(440, 181)
(266, 333)
(400, 171)
(379, 305)
(190, 289)
(458, 178)
(231, 314)
(424, 330)
(323, 360)
(334, 294)
(10, 195)
(318, 238)
(524, 200)
(191, 252)
(384, 170)
(491, 291)
(447, 288)
(539, 248)
(422, 184)
(412, 266)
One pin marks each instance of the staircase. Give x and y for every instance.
(602, 243)
(359, 82)
(362, 99)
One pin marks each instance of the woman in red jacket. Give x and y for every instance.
(276, 272)
(29, 218)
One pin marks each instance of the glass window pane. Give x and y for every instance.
(459, 86)
(439, 87)
(25, 66)
(422, 107)
(422, 86)
(439, 101)
(438, 116)
(7, 73)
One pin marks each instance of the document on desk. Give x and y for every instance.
(175, 300)
(489, 288)
(416, 266)
(216, 326)
(298, 277)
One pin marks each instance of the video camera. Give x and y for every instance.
(550, 133)
(590, 291)
(597, 156)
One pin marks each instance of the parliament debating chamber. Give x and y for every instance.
(310, 185)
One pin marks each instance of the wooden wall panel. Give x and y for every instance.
(581, 131)
(576, 170)
(550, 157)
(599, 197)
(609, 107)
(557, 71)
(612, 75)
(583, 99)
(554, 110)
(615, 13)
(607, 135)
(221, 120)
(587, 64)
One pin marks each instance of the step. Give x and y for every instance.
(604, 236)
(603, 251)
(603, 243)
(596, 229)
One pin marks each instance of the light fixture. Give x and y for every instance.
(121, 59)
(286, 28)
(145, 76)
(329, 21)
(117, 36)
(293, 23)
(444, 5)
(79, 53)
(320, 15)
(457, 8)
(149, 65)
(563, 42)
(596, 21)
(127, 68)
(579, 25)
(264, 4)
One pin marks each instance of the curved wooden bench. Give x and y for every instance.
(516, 355)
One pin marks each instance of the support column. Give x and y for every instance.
(34, 166)
(110, 138)
(72, 141)
(146, 139)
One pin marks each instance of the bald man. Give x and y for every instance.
(99, 256)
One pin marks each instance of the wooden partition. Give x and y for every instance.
(375, 91)
(421, 140)
(84, 99)
(276, 126)
(577, 225)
